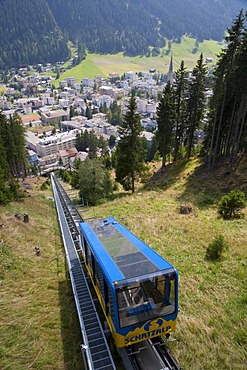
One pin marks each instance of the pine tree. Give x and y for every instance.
(79, 142)
(114, 114)
(196, 102)
(165, 120)
(12, 158)
(152, 149)
(130, 152)
(88, 112)
(19, 153)
(102, 145)
(240, 137)
(227, 106)
(13, 140)
(86, 140)
(93, 145)
(4, 166)
(180, 87)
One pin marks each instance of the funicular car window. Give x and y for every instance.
(146, 299)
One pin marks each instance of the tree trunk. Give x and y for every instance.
(133, 180)
(218, 131)
(244, 104)
(212, 141)
(228, 141)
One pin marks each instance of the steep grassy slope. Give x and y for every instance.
(38, 323)
(39, 328)
(211, 331)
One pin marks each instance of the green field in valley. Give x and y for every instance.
(103, 64)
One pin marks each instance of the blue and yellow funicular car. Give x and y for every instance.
(137, 288)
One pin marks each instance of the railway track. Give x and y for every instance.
(153, 355)
(148, 355)
(95, 350)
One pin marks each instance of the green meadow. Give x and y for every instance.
(103, 64)
(212, 324)
(39, 327)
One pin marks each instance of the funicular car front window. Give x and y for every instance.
(146, 299)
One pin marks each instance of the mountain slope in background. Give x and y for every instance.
(36, 30)
(133, 25)
(29, 34)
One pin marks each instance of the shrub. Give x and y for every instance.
(185, 209)
(231, 204)
(216, 248)
(115, 186)
(45, 184)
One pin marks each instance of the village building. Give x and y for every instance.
(48, 99)
(53, 116)
(52, 144)
(64, 156)
(131, 76)
(47, 162)
(32, 157)
(4, 103)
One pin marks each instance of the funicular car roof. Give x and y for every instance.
(121, 254)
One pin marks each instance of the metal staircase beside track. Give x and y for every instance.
(95, 349)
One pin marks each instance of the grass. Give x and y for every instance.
(103, 64)
(39, 327)
(87, 68)
(212, 323)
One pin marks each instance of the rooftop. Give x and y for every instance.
(131, 256)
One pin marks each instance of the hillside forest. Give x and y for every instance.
(12, 158)
(38, 31)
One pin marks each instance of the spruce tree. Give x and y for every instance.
(227, 106)
(196, 102)
(240, 138)
(93, 145)
(13, 139)
(19, 152)
(130, 152)
(79, 142)
(4, 166)
(165, 120)
(12, 158)
(180, 87)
